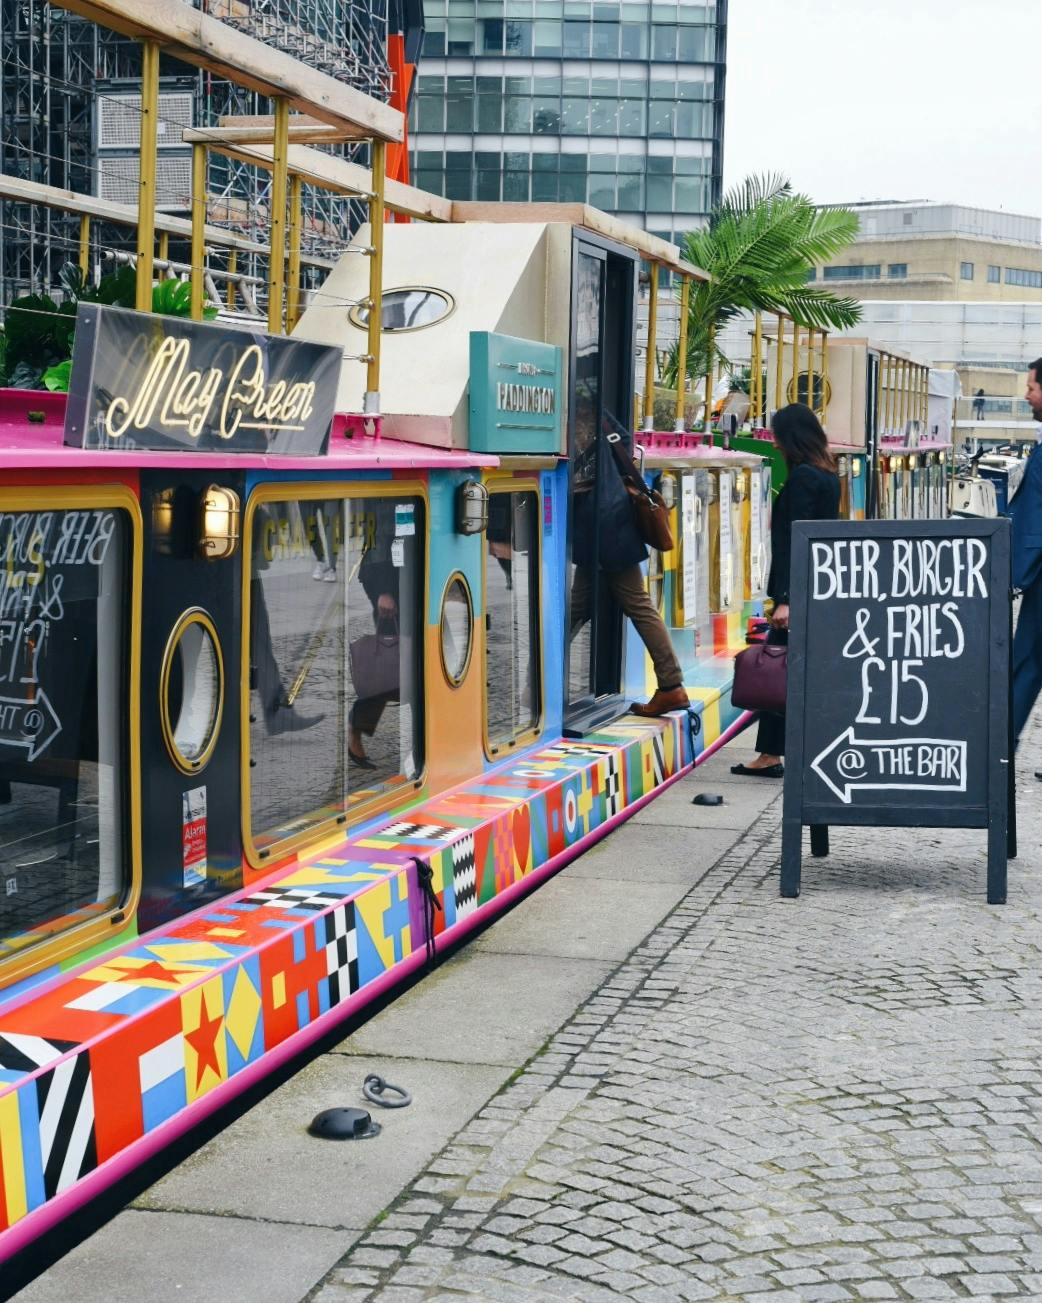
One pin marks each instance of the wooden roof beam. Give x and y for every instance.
(19, 191)
(197, 38)
(650, 247)
(259, 129)
(327, 172)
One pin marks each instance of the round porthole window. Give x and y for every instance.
(191, 691)
(457, 629)
(410, 308)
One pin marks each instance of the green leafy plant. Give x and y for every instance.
(56, 378)
(759, 245)
(36, 342)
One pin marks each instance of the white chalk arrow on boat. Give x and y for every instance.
(32, 725)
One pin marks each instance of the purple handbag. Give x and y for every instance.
(760, 678)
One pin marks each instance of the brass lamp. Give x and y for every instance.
(471, 507)
(218, 523)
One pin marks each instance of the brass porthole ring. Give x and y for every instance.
(193, 661)
(456, 629)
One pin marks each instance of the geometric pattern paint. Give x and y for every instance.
(100, 1056)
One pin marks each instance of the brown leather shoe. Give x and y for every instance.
(664, 700)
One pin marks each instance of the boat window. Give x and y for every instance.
(411, 308)
(192, 691)
(64, 597)
(512, 644)
(335, 631)
(457, 630)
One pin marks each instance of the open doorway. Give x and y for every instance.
(604, 293)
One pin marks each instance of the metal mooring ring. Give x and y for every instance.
(374, 1087)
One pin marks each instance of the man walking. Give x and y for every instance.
(1026, 512)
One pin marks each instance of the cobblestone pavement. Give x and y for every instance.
(833, 1098)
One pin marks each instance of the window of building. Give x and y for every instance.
(897, 271)
(1031, 280)
(335, 630)
(512, 662)
(867, 272)
(64, 759)
(812, 274)
(966, 271)
(994, 275)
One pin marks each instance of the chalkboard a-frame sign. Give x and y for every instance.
(899, 681)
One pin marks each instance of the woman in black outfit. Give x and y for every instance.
(811, 492)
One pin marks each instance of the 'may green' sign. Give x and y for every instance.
(515, 394)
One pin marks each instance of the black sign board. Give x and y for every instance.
(141, 380)
(899, 681)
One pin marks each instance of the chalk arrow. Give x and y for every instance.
(31, 725)
(849, 764)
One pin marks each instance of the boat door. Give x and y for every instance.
(604, 285)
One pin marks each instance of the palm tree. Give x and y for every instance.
(758, 248)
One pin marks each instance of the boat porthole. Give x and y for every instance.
(457, 629)
(191, 691)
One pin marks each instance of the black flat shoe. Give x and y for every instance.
(361, 762)
(765, 771)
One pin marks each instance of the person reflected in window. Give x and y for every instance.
(278, 711)
(811, 492)
(978, 405)
(375, 667)
(498, 534)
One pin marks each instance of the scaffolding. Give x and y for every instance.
(70, 109)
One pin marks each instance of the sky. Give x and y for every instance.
(889, 99)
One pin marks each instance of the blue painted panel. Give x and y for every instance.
(451, 551)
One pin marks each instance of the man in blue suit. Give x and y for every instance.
(1026, 512)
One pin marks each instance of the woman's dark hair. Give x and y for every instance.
(798, 433)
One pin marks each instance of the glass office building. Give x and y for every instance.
(616, 105)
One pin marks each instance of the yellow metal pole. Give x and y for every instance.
(277, 219)
(710, 359)
(233, 267)
(376, 271)
(649, 361)
(685, 299)
(891, 393)
(905, 379)
(879, 400)
(756, 373)
(795, 361)
(85, 246)
(778, 363)
(164, 246)
(198, 228)
(146, 201)
(824, 376)
(925, 405)
(293, 274)
(810, 370)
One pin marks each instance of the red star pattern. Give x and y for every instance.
(204, 1041)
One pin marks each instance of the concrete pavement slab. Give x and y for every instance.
(481, 1008)
(745, 799)
(190, 1259)
(266, 1166)
(653, 853)
(567, 916)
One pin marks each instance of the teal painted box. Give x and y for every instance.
(515, 394)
